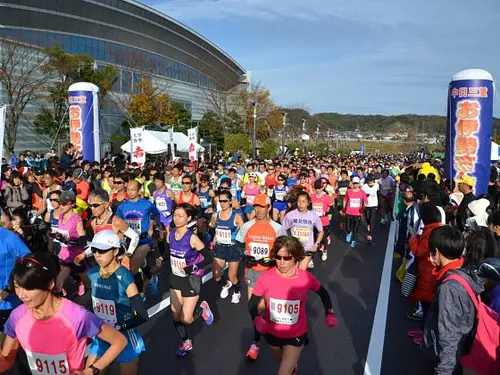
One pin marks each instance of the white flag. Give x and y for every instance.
(171, 141)
(137, 152)
(3, 115)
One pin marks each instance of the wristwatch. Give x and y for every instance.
(95, 370)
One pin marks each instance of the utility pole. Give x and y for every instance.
(254, 133)
(283, 135)
(303, 134)
(317, 135)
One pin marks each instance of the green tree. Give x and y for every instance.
(321, 149)
(183, 117)
(66, 69)
(237, 142)
(293, 145)
(210, 129)
(269, 149)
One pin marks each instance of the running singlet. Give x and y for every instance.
(108, 225)
(225, 230)
(342, 187)
(286, 301)
(259, 239)
(182, 254)
(280, 193)
(371, 192)
(176, 186)
(355, 201)
(205, 198)
(164, 205)
(301, 226)
(181, 200)
(321, 206)
(68, 330)
(251, 193)
(138, 217)
(69, 233)
(115, 203)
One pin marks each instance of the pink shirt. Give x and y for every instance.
(355, 201)
(57, 345)
(321, 206)
(69, 232)
(286, 301)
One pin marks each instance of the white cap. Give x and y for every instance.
(355, 180)
(105, 240)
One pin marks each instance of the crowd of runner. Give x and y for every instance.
(72, 227)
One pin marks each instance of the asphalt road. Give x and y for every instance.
(351, 275)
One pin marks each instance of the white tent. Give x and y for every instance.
(157, 142)
(494, 151)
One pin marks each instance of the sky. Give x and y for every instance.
(359, 56)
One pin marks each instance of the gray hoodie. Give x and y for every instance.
(450, 320)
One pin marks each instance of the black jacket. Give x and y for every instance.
(462, 210)
(450, 320)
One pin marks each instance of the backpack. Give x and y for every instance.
(484, 355)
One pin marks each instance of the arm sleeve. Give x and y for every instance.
(325, 299)
(140, 314)
(453, 305)
(134, 240)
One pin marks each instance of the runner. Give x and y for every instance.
(258, 236)
(321, 204)
(226, 223)
(52, 218)
(205, 193)
(119, 194)
(53, 331)
(186, 195)
(371, 188)
(250, 190)
(116, 300)
(354, 202)
(279, 204)
(164, 200)
(386, 186)
(175, 183)
(301, 222)
(284, 289)
(137, 213)
(187, 264)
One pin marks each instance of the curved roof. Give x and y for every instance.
(126, 22)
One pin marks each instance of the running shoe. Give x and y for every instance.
(235, 298)
(207, 315)
(416, 316)
(253, 352)
(324, 256)
(348, 237)
(418, 340)
(153, 285)
(185, 348)
(414, 333)
(225, 290)
(81, 289)
(311, 264)
(353, 244)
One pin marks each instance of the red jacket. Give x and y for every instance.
(426, 280)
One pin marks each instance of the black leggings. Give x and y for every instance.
(352, 225)
(370, 217)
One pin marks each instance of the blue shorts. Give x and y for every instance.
(280, 206)
(135, 346)
(230, 253)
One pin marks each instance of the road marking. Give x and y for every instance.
(376, 347)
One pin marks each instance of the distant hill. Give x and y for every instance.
(387, 124)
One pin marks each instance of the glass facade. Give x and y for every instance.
(113, 53)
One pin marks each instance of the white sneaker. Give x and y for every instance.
(324, 256)
(225, 289)
(311, 264)
(235, 298)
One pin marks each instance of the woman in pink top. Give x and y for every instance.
(284, 289)
(354, 203)
(52, 331)
(250, 191)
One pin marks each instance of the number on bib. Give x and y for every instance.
(302, 234)
(223, 236)
(259, 250)
(355, 202)
(48, 364)
(177, 265)
(105, 309)
(318, 209)
(135, 225)
(161, 204)
(250, 199)
(280, 195)
(284, 311)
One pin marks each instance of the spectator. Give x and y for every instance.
(465, 185)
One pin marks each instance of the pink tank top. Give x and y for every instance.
(69, 233)
(251, 193)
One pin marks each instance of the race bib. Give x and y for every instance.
(250, 199)
(105, 309)
(48, 364)
(302, 234)
(223, 236)
(204, 202)
(342, 190)
(280, 195)
(318, 209)
(135, 225)
(161, 204)
(355, 202)
(177, 265)
(283, 311)
(259, 250)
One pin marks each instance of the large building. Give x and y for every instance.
(135, 39)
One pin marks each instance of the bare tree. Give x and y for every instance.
(21, 80)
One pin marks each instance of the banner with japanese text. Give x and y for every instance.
(83, 100)
(137, 153)
(3, 118)
(171, 141)
(193, 141)
(469, 128)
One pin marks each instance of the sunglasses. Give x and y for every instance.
(283, 257)
(118, 182)
(31, 263)
(186, 183)
(280, 180)
(95, 205)
(204, 181)
(223, 200)
(66, 203)
(99, 251)
(54, 200)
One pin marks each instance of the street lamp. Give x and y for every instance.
(254, 134)
(317, 135)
